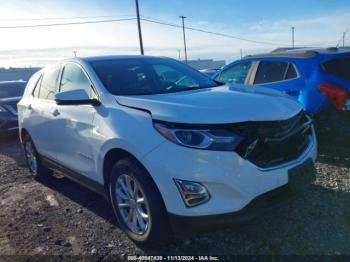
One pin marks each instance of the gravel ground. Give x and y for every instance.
(59, 217)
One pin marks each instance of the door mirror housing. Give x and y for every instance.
(75, 97)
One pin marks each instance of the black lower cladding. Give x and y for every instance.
(182, 225)
(269, 144)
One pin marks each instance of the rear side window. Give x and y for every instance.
(236, 74)
(269, 72)
(74, 78)
(48, 85)
(339, 67)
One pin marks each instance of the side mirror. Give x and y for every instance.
(75, 97)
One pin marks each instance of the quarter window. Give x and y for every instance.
(291, 72)
(37, 87)
(74, 78)
(48, 85)
(236, 74)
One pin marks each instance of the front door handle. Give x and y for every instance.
(30, 107)
(55, 112)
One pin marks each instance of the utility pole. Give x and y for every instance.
(179, 50)
(241, 52)
(139, 26)
(293, 37)
(344, 34)
(184, 34)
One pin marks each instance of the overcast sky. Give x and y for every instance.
(317, 23)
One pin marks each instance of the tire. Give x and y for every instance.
(152, 225)
(36, 169)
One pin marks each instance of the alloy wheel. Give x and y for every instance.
(132, 204)
(31, 157)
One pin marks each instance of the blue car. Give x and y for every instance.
(318, 78)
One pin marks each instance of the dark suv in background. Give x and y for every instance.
(10, 94)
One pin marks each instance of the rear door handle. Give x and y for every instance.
(55, 112)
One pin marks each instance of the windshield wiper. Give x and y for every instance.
(195, 88)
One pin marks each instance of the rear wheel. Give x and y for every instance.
(137, 203)
(36, 169)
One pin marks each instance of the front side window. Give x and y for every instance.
(236, 74)
(269, 72)
(146, 76)
(48, 84)
(74, 78)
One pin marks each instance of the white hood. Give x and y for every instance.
(218, 105)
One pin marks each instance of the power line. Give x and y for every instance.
(151, 20)
(61, 18)
(211, 32)
(279, 42)
(128, 19)
(68, 23)
(232, 36)
(52, 18)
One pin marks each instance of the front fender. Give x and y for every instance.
(129, 129)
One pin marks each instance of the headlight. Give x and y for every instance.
(192, 193)
(202, 138)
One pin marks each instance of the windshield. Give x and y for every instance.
(11, 89)
(146, 76)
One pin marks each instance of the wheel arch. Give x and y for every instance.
(23, 133)
(110, 158)
(115, 154)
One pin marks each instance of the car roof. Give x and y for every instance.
(113, 57)
(301, 52)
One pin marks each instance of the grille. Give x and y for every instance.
(274, 143)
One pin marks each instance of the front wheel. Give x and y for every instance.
(137, 203)
(36, 169)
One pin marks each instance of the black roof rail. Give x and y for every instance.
(292, 54)
(332, 49)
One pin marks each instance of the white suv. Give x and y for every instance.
(168, 146)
